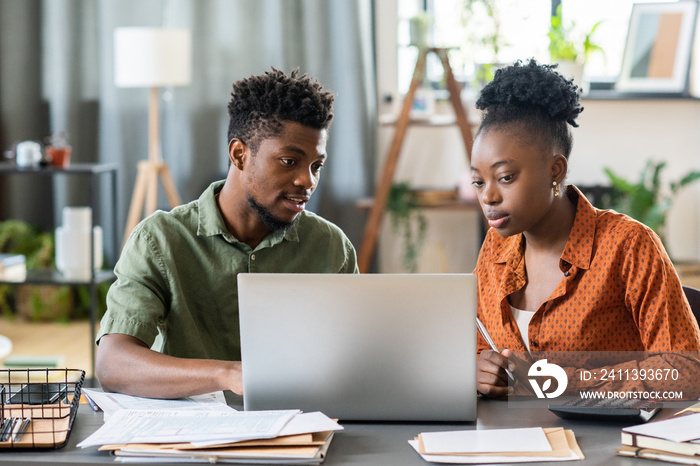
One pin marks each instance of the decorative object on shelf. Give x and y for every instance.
(151, 57)
(419, 29)
(423, 103)
(568, 53)
(658, 48)
(645, 200)
(73, 244)
(58, 151)
(28, 154)
(402, 206)
(13, 267)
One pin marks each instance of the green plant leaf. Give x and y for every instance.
(643, 200)
(404, 212)
(686, 180)
(656, 177)
(618, 182)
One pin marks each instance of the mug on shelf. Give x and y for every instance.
(28, 154)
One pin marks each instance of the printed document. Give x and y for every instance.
(135, 426)
(486, 441)
(112, 402)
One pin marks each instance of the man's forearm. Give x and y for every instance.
(132, 368)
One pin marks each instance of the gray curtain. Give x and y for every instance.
(328, 39)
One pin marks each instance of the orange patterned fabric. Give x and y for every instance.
(619, 290)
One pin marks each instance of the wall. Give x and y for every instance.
(623, 134)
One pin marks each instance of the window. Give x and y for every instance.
(520, 28)
(610, 35)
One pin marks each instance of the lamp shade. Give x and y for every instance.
(152, 57)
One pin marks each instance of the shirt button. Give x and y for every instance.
(566, 274)
(252, 257)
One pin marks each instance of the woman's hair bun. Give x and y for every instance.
(532, 87)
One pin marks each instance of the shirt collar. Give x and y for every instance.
(578, 249)
(211, 223)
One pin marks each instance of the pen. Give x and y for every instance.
(22, 429)
(488, 339)
(93, 405)
(15, 428)
(6, 428)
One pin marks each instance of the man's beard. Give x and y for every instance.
(270, 221)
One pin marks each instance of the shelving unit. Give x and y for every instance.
(402, 122)
(94, 174)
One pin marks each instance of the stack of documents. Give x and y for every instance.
(110, 403)
(488, 446)
(209, 434)
(676, 440)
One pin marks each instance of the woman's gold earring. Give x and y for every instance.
(556, 188)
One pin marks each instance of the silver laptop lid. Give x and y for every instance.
(360, 347)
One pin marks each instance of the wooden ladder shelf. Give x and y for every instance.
(373, 224)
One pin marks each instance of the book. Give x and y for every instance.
(659, 455)
(642, 441)
(679, 435)
(13, 267)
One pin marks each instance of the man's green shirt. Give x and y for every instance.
(176, 277)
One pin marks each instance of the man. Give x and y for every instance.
(176, 278)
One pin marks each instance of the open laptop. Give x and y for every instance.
(382, 347)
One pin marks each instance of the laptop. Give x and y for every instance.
(368, 347)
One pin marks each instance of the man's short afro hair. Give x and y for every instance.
(259, 105)
(534, 97)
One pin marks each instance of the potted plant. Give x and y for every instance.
(419, 28)
(482, 23)
(568, 52)
(41, 302)
(32, 302)
(402, 206)
(646, 200)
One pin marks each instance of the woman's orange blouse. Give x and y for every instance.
(619, 290)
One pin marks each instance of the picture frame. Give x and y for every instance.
(658, 49)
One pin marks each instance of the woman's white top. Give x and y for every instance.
(522, 319)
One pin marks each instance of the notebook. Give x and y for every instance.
(371, 347)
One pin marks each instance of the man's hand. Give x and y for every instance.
(491, 376)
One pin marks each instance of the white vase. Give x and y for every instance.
(573, 70)
(73, 244)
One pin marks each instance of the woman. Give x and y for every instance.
(555, 273)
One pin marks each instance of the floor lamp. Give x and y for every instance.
(153, 58)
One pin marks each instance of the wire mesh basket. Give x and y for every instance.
(38, 407)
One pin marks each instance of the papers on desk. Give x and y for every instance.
(216, 436)
(488, 446)
(113, 402)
